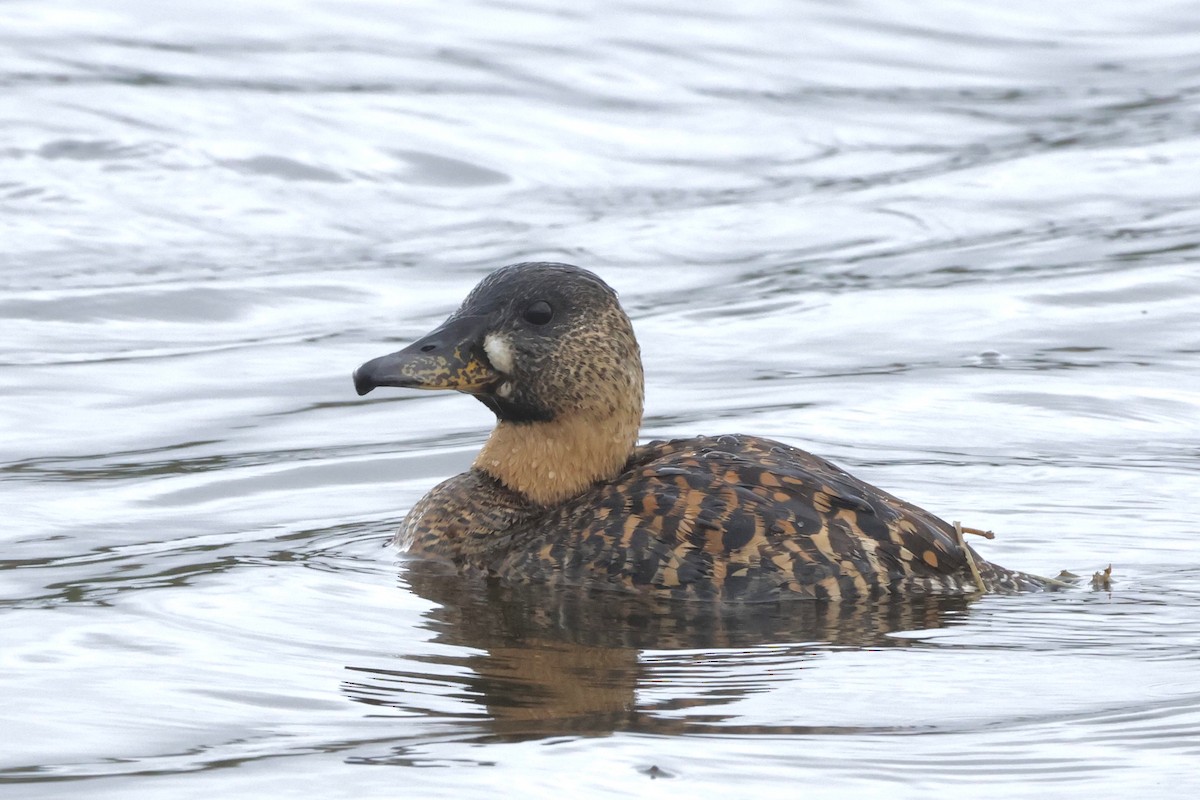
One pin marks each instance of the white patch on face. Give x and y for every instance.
(505, 389)
(499, 352)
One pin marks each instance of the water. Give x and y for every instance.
(955, 251)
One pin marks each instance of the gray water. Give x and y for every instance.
(951, 246)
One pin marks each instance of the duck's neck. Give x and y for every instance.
(550, 462)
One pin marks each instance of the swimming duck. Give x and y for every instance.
(562, 494)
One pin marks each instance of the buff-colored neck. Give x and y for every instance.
(550, 462)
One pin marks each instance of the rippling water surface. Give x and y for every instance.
(955, 250)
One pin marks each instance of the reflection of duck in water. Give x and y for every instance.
(544, 660)
(561, 493)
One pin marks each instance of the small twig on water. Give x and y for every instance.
(1103, 580)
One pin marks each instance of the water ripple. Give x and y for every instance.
(954, 252)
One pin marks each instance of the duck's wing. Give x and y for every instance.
(786, 514)
(738, 517)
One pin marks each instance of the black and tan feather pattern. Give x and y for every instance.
(560, 495)
(733, 518)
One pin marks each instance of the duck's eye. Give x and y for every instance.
(539, 313)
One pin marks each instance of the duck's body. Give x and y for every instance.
(730, 517)
(562, 495)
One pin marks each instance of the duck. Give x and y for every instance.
(562, 494)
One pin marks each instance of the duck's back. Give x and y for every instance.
(742, 518)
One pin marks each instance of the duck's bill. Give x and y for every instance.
(450, 357)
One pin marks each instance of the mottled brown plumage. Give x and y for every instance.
(561, 495)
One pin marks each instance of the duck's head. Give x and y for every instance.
(549, 350)
(533, 342)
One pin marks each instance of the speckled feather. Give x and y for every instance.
(734, 518)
